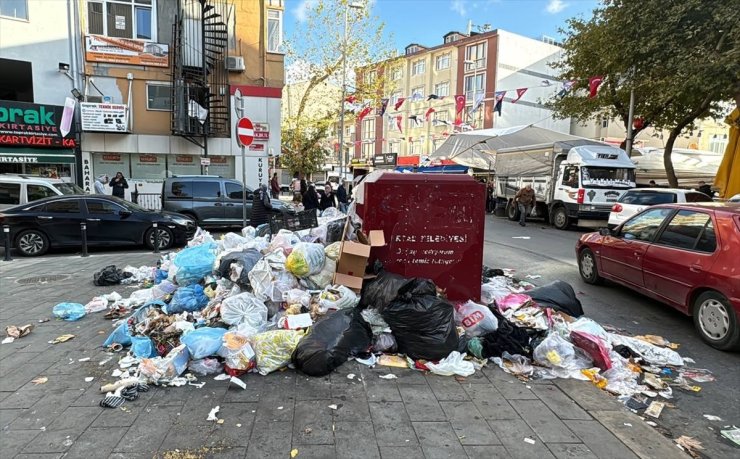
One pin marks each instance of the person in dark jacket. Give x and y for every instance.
(119, 185)
(261, 206)
(342, 197)
(310, 199)
(304, 186)
(327, 198)
(706, 189)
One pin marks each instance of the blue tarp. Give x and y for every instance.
(457, 169)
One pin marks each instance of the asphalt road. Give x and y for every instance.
(539, 249)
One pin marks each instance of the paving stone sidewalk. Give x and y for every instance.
(488, 415)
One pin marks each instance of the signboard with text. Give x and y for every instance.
(99, 48)
(35, 125)
(104, 117)
(261, 131)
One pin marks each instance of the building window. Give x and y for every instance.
(14, 9)
(418, 67)
(368, 129)
(368, 150)
(370, 77)
(274, 31)
(396, 73)
(123, 18)
(16, 80)
(394, 98)
(476, 54)
(158, 97)
(442, 116)
(275, 3)
(442, 89)
(443, 62)
(417, 93)
(604, 122)
(412, 49)
(718, 144)
(393, 147)
(474, 85)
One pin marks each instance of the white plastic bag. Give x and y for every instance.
(260, 278)
(232, 241)
(651, 353)
(237, 352)
(497, 288)
(297, 296)
(305, 259)
(453, 364)
(140, 297)
(326, 275)
(249, 232)
(337, 297)
(332, 250)
(244, 309)
(283, 282)
(560, 355)
(476, 319)
(97, 304)
(586, 325)
(201, 237)
(284, 240)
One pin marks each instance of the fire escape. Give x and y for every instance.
(200, 81)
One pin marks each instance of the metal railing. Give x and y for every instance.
(152, 201)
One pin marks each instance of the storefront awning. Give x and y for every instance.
(19, 155)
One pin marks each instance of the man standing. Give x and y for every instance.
(100, 184)
(275, 186)
(342, 197)
(526, 200)
(261, 206)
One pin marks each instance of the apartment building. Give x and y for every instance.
(456, 85)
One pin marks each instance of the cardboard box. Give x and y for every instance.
(353, 258)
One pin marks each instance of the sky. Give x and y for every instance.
(426, 21)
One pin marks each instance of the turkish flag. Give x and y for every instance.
(399, 119)
(365, 111)
(459, 106)
(399, 103)
(593, 85)
(429, 113)
(519, 93)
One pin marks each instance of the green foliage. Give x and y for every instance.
(302, 150)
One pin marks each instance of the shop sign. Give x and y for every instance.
(34, 125)
(187, 159)
(219, 160)
(261, 131)
(205, 161)
(115, 158)
(386, 159)
(99, 48)
(257, 147)
(148, 159)
(104, 117)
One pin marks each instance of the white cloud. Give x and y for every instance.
(459, 6)
(555, 6)
(301, 10)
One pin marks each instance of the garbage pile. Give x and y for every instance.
(246, 303)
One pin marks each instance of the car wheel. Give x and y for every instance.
(32, 243)
(166, 238)
(560, 218)
(512, 211)
(716, 321)
(587, 267)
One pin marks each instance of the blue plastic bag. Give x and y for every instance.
(191, 298)
(194, 263)
(120, 335)
(69, 311)
(203, 342)
(159, 276)
(143, 347)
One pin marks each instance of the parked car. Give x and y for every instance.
(636, 200)
(55, 222)
(735, 198)
(685, 255)
(18, 189)
(210, 200)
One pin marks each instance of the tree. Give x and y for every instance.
(315, 54)
(681, 58)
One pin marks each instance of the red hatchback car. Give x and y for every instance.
(686, 255)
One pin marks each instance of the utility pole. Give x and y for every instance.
(630, 116)
(344, 84)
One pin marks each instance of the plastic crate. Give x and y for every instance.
(293, 222)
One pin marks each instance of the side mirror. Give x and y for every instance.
(605, 232)
(125, 213)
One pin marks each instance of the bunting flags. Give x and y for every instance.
(519, 93)
(567, 86)
(459, 106)
(433, 97)
(429, 113)
(383, 106)
(351, 99)
(478, 102)
(415, 119)
(545, 83)
(400, 102)
(363, 113)
(593, 85)
(499, 101)
(399, 120)
(416, 97)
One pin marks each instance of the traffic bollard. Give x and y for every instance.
(156, 238)
(83, 230)
(6, 230)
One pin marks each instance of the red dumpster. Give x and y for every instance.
(433, 227)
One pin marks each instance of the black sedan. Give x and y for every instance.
(110, 221)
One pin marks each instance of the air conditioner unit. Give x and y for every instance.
(235, 64)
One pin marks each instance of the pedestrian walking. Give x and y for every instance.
(706, 189)
(295, 186)
(304, 186)
(100, 183)
(275, 186)
(342, 197)
(328, 198)
(119, 185)
(311, 199)
(261, 206)
(526, 201)
(490, 202)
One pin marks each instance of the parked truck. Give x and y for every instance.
(575, 182)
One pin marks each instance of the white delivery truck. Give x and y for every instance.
(575, 182)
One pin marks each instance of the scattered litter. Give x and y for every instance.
(388, 376)
(238, 425)
(392, 361)
(280, 408)
(370, 361)
(689, 360)
(41, 380)
(732, 434)
(627, 424)
(651, 423)
(198, 385)
(293, 453)
(212, 415)
(16, 332)
(351, 376)
(8, 340)
(690, 445)
(86, 359)
(222, 377)
(62, 339)
(239, 383)
(521, 237)
(41, 321)
(655, 409)
(711, 417)
(527, 439)
(333, 407)
(89, 379)
(533, 276)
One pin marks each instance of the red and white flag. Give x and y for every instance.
(593, 85)
(365, 111)
(429, 112)
(399, 120)
(459, 107)
(399, 103)
(519, 93)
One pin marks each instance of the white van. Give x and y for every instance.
(18, 189)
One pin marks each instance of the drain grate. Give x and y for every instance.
(42, 279)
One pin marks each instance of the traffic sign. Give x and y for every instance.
(245, 131)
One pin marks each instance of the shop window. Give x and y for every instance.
(16, 80)
(158, 97)
(274, 31)
(122, 18)
(97, 207)
(69, 206)
(36, 192)
(17, 9)
(10, 193)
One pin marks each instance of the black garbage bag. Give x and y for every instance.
(110, 275)
(331, 342)
(488, 273)
(247, 258)
(558, 295)
(377, 293)
(423, 323)
(507, 338)
(334, 230)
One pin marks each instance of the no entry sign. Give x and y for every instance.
(245, 131)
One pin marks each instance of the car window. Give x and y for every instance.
(697, 197)
(647, 198)
(685, 230)
(36, 192)
(182, 189)
(10, 193)
(570, 176)
(69, 188)
(642, 227)
(70, 206)
(233, 190)
(207, 189)
(96, 206)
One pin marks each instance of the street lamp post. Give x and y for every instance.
(357, 6)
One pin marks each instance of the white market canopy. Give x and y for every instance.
(477, 148)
